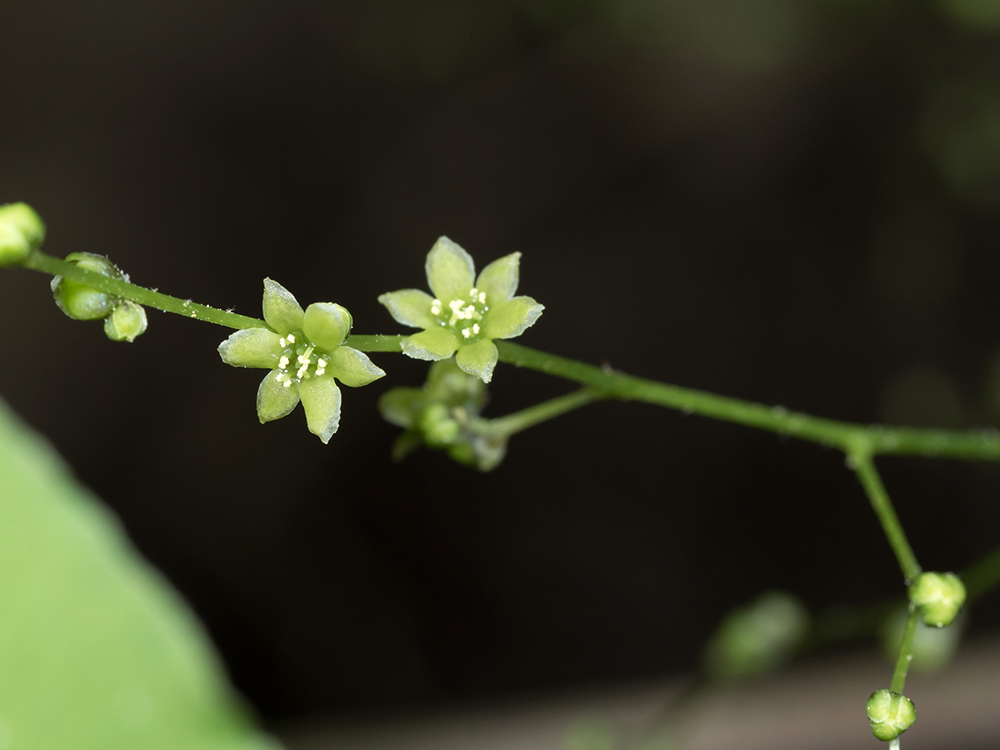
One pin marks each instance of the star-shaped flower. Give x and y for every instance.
(466, 313)
(305, 354)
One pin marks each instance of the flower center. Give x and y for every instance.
(463, 317)
(300, 359)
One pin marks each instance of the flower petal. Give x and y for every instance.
(321, 401)
(450, 270)
(352, 367)
(281, 310)
(432, 344)
(274, 400)
(478, 359)
(499, 279)
(327, 324)
(411, 307)
(511, 318)
(397, 405)
(252, 347)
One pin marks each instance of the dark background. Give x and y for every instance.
(790, 201)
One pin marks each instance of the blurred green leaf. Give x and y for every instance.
(97, 652)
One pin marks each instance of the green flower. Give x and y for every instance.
(306, 356)
(466, 313)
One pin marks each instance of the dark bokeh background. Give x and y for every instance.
(792, 201)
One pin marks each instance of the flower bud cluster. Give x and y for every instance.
(124, 320)
(938, 596)
(443, 415)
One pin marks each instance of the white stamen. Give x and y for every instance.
(288, 384)
(282, 341)
(291, 338)
(475, 328)
(322, 362)
(466, 332)
(482, 298)
(320, 370)
(283, 362)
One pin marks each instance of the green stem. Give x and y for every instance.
(864, 467)
(981, 445)
(39, 261)
(905, 653)
(522, 420)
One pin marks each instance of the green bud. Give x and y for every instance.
(890, 713)
(758, 638)
(938, 596)
(21, 232)
(126, 322)
(82, 302)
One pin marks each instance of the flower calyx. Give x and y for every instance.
(938, 596)
(21, 233)
(306, 356)
(444, 415)
(890, 714)
(466, 312)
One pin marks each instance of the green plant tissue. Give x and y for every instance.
(97, 652)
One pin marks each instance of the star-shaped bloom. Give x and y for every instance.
(306, 357)
(466, 313)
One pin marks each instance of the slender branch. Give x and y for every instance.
(522, 420)
(982, 445)
(39, 261)
(905, 653)
(864, 467)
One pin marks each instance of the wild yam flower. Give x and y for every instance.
(466, 313)
(306, 356)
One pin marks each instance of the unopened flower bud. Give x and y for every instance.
(126, 322)
(890, 714)
(82, 302)
(21, 232)
(938, 596)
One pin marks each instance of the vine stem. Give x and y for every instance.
(864, 467)
(521, 420)
(603, 382)
(905, 653)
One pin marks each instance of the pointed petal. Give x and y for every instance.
(411, 307)
(352, 367)
(478, 359)
(432, 344)
(321, 401)
(398, 405)
(281, 310)
(511, 318)
(499, 279)
(327, 324)
(253, 347)
(274, 401)
(450, 270)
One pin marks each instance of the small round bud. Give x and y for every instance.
(938, 596)
(21, 232)
(126, 322)
(890, 713)
(82, 302)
